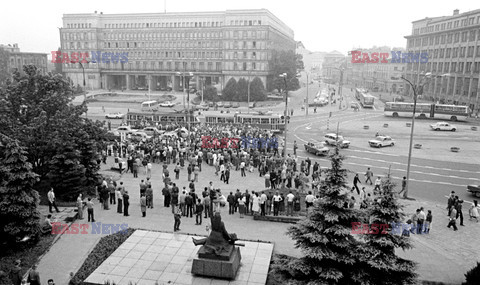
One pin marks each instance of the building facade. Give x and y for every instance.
(163, 47)
(378, 77)
(15, 59)
(312, 60)
(332, 62)
(453, 46)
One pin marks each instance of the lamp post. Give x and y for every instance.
(182, 74)
(306, 99)
(84, 90)
(284, 76)
(415, 89)
(248, 93)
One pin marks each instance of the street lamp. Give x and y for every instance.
(84, 90)
(284, 76)
(415, 89)
(306, 99)
(186, 81)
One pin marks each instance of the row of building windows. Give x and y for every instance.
(457, 52)
(466, 36)
(173, 66)
(167, 25)
(446, 67)
(449, 25)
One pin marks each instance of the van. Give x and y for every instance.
(150, 106)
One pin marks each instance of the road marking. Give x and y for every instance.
(374, 152)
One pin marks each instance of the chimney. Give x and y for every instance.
(95, 12)
(455, 12)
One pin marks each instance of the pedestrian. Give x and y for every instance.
(80, 207)
(206, 206)
(255, 204)
(355, 181)
(290, 198)
(281, 205)
(351, 203)
(149, 196)
(90, 210)
(428, 222)
(309, 200)
(368, 175)
(177, 216)
(177, 171)
(242, 168)
(51, 201)
(231, 203)
(111, 191)
(189, 202)
(166, 197)
(295, 147)
(459, 210)
(196, 171)
(378, 182)
(119, 196)
(414, 219)
(453, 219)
(33, 276)
(276, 203)
(421, 220)
(404, 185)
(227, 175)
(16, 273)
(143, 205)
(126, 203)
(263, 203)
(474, 211)
(241, 205)
(247, 201)
(198, 212)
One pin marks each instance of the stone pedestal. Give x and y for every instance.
(216, 267)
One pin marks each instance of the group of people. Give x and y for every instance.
(455, 212)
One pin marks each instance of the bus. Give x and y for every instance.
(365, 99)
(427, 110)
(273, 122)
(146, 119)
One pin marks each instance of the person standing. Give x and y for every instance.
(51, 201)
(196, 171)
(90, 210)
(428, 222)
(149, 196)
(241, 205)
(242, 168)
(16, 273)
(276, 203)
(474, 211)
(247, 201)
(295, 147)
(459, 210)
(174, 198)
(368, 175)
(309, 200)
(181, 201)
(290, 198)
(378, 182)
(80, 207)
(421, 221)
(33, 276)
(356, 180)
(450, 202)
(143, 205)
(231, 203)
(404, 185)
(177, 171)
(166, 197)
(126, 203)
(189, 202)
(227, 175)
(255, 204)
(119, 196)
(206, 206)
(198, 212)
(263, 203)
(453, 219)
(177, 215)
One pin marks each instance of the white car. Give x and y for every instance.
(140, 136)
(332, 139)
(443, 126)
(152, 131)
(381, 141)
(166, 104)
(117, 115)
(124, 129)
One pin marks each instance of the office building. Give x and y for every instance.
(15, 60)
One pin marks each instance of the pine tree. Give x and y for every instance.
(242, 90)
(230, 90)
(331, 251)
(19, 216)
(380, 260)
(257, 90)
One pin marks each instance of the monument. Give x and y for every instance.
(218, 257)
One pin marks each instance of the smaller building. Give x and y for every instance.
(17, 59)
(332, 62)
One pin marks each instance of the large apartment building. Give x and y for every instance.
(453, 46)
(15, 60)
(162, 47)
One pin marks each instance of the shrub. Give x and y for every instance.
(473, 275)
(104, 248)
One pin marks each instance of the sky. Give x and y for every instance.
(321, 25)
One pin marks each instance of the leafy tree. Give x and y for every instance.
(230, 90)
(283, 62)
(242, 90)
(299, 62)
(4, 75)
(210, 94)
(473, 275)
(19, 216)
(38, 112)
(257, 90)
(380, 260)
(331, 252)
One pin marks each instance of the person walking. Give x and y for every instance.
(451, 202)
(177, 171)
(198, 212)
(206, 206)
(453, 219)
(368, 175)
(51, 201)
(119, 196)
(404, 185)
(227, 175)
(90, 210)
(356, 180)
(177, 215)
(143, 205)
(126, 203)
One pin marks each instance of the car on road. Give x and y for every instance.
(220, 104)
(236, 105)
(151, 131)
(227, 105)
(166, 104)
(125, 129)
(116, 115)
(202, 107)
(443, 126)
(332, 139)
(140, 136)
(381, 141)
(319, 149)
(474, 189)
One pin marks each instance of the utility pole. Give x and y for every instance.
(284, 76)
(306, 100)
(248, 94)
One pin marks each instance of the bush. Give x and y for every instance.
(104, 248)
(473, 275)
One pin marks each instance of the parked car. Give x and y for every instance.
(166, 104)
(124, 129)
(116, 115)
(474, 189)
(332, 139)
(320, 149)
(220, 104)
(151, 131)
(443, 126)
(202, 107)
(140, 136)
(227, 105)
(236, 105)
(381, 141)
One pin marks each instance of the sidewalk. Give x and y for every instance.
(443, 255)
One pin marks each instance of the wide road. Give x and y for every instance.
(434, 172)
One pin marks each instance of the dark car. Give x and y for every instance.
(474, 189)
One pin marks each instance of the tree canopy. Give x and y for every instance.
(283, 61)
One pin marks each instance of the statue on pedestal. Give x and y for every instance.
(219, 241)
